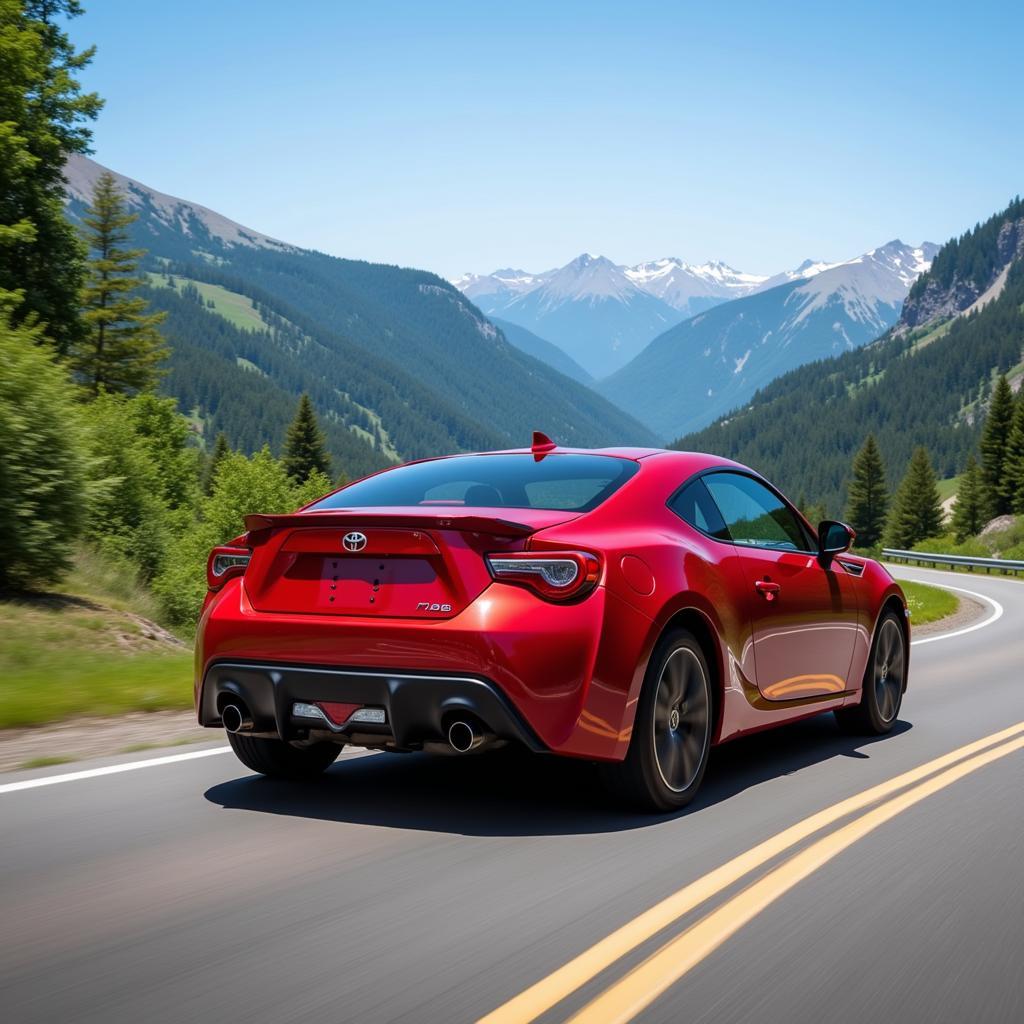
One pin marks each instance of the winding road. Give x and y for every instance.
(817, 878)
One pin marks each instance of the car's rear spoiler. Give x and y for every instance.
(400, 518)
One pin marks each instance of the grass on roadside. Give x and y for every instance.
(63, 655)
(928, 604)
(63, 684)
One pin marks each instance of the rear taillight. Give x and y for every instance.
(224, 563)
(555, 575)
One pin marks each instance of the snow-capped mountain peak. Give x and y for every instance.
(905, 261)
(713, 272)
(504, 282)
(589, 277)
(811, 268)
(882, 275)
(690, 288)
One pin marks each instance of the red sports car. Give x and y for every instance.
(629, 606)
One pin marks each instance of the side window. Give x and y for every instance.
(694, 505)
(754, 515)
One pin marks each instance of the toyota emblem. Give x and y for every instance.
(354, 541)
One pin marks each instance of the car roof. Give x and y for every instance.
(681, 461)
(692, 462)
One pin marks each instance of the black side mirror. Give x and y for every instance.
(833, 539)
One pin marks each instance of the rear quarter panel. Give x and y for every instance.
(655, 567)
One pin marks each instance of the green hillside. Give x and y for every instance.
(913, 386)
(398, 362)
(244, 382)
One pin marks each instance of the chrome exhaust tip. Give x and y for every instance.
(236, 718)
(463, 737)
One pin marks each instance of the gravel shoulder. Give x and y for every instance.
(79, 739)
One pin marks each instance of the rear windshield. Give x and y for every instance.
(571, 483)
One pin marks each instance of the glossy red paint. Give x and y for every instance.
(786, 636)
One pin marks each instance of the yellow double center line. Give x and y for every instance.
(641, 986)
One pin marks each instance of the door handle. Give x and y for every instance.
(768, 590)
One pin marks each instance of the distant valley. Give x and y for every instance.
(715, 361)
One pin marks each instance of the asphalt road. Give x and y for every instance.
(430, 889)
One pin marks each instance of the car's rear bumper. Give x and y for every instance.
(417, 706)
(563, 672)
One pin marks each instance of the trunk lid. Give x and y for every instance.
(389, 563)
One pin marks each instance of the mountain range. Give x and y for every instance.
(604, 315)
(399, 363)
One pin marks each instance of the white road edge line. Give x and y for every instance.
(997, 613)
(130, 766)
(110, 769)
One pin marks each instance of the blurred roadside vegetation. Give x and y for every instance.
(61, 656)
(109, 502)
(123, 473)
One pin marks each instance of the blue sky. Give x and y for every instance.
(468, 136)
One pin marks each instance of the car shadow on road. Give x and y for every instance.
(510, 792)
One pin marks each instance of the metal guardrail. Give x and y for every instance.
(967, 561)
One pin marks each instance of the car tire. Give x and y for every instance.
(884, 682)
(671, 740)
(279, 759)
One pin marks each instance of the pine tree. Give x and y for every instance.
(994, 440)
(1015, 457)
(916, 511)
(969, 510)
(221, 448)
(868, 499)
(305, 447)
(43, 118)
(122, 348)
